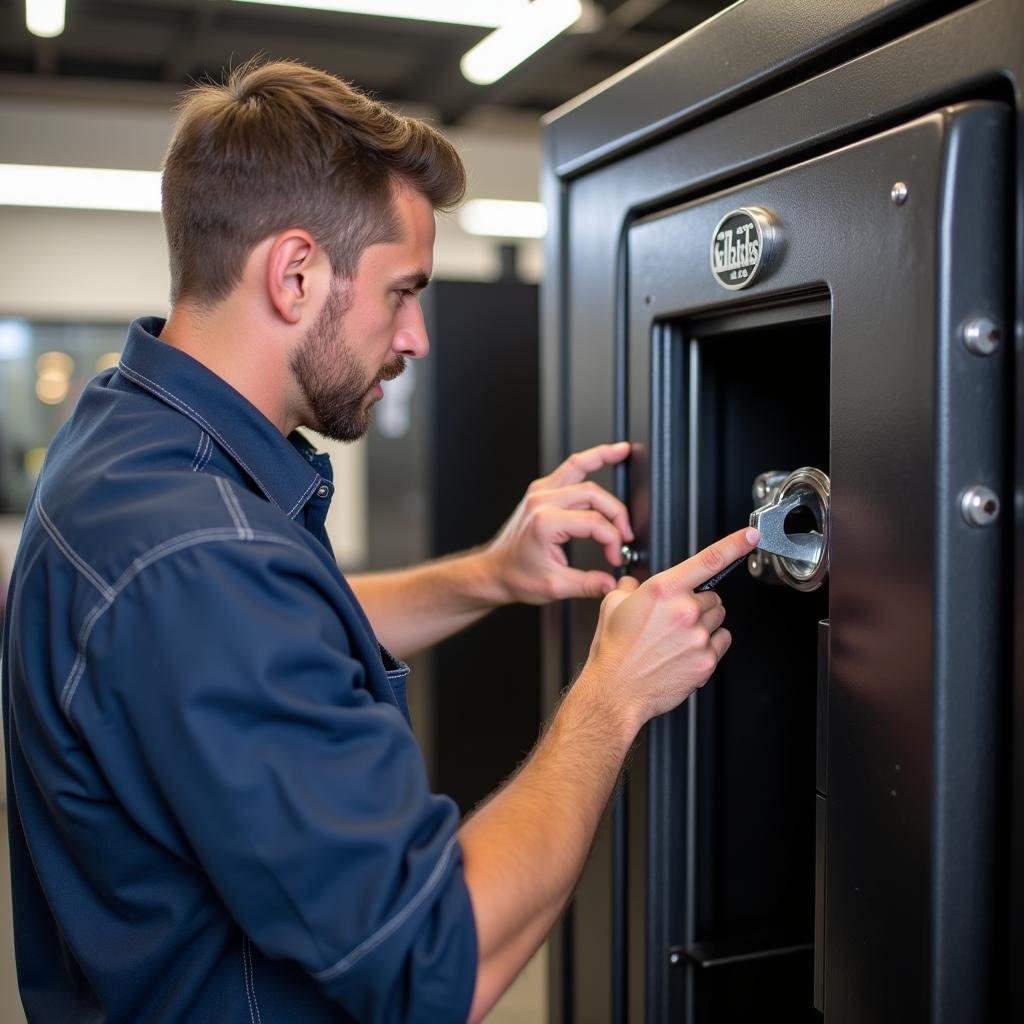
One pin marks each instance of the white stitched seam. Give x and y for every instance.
(199, 448)
(168, 547)
(387, 930)
(234, 510)
(302, 501)
(245, 971)
(221, 485)
(207, 454)
(79, 563)
(238, 508)
(204, 455)
(252, 981)
(175, 400)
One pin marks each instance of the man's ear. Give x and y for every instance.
(294, 264)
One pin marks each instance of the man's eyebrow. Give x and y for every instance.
(417, 280)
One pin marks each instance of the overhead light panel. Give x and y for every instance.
(520, 37)
(79, 188)
(44, 17)
(504, 218)
(481, 13)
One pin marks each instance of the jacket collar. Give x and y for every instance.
(281, 467)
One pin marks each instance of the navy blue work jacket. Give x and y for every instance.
(218, 811)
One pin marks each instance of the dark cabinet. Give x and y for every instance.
(448, 460)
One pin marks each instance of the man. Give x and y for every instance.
(218, 811)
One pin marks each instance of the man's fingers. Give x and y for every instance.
(713, 618)
(617, 594)
(589, 495)
(706, 600)
(712, 560)
(627, 584)
(592, 583)
(721, 640)
(562, 524)
(578, 465)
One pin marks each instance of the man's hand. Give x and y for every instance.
(524, 849)
(413, 608)
(526, 558)
(659, 641)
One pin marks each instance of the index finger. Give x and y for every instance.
(579, 464)
(713, 559)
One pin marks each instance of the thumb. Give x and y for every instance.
(580, 583)
(626, 586)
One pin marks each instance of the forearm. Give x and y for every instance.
(411, 609)
(525, 848)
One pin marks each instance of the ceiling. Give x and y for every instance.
(155, 46)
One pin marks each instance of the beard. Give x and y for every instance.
(331, 378)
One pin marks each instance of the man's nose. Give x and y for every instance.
(411, 337)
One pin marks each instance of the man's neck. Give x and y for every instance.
(241, 353)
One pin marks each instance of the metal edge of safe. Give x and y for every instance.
(969, 555)
(970, 55)
(714, 65)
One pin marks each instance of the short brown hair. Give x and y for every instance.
(282, 145)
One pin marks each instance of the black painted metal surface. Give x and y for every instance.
(747, 47)
(931, 435)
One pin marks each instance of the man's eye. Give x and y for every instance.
(403, 294)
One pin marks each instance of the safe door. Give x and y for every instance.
(811, 835)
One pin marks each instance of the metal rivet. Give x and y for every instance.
(980, 505)
(630, 555)
(982, 335)
(899, 193)
(322, 491)
(674, 958)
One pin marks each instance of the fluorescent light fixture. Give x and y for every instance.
(79, 188)
(44, 17)
(481, 13)
(520, 37)
(504, 218)
(15, 339)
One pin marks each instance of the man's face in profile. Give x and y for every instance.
(368, 326)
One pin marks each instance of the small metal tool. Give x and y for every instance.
(770, 521)
(718, 577)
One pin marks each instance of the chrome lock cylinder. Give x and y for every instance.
(792, 516)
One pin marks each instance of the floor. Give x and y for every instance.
(10, 1004)
(524, 1003)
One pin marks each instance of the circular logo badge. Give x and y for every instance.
(741, 246)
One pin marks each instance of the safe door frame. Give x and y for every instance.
(913, 690)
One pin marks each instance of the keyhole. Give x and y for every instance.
(801, 520)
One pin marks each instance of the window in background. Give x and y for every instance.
(43, 369)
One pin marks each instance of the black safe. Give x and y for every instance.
(794, 238)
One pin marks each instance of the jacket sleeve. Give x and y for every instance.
(228, 669)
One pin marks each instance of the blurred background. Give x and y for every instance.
(90, 85)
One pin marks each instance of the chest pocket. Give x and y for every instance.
(397, 673)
